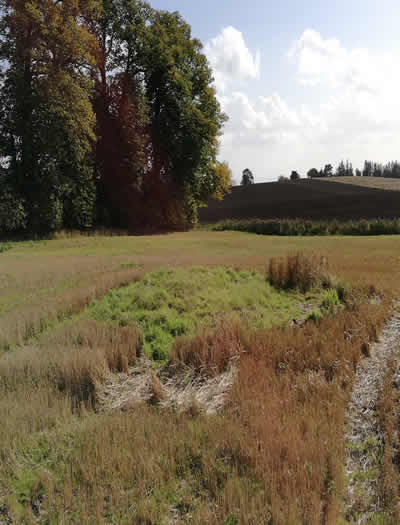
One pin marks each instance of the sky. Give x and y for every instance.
(303, 82)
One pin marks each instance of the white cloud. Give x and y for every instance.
(360, 88)
(328, 63)
(265, 120)
(231, 59)
(358, 118)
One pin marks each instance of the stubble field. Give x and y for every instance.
(162, 380)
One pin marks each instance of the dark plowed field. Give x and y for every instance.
(341, 198)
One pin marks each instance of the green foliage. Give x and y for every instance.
(119, 74)
(47, 123)
(158, 118)
(12, 211)
(184, 113)
(172, 303)
(231, 520)
(223, 180)
(295, 227)
(28, 488)
(315, 316)
(330, 301)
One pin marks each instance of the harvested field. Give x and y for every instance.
(379, 183)
(246, 409)
(342, 198)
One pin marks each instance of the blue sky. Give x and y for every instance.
(303, 82)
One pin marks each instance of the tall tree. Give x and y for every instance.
(367, 171)
(185, 116)
(294, 176)
(377, 169)
(349, 169)
(158, 117)
(123, 141)
(341, 169)
(46, 116)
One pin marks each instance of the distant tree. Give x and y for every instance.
(396, 170)
(247, 177)
(294, 176)
(313, 173)
(367, 171)
(388, 170)
(340, 170)
(222, 180)
(358, 172)
(328, 170)
(282, 178)
(377, 170)
(349, 169)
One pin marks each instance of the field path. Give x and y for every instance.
(364, 437)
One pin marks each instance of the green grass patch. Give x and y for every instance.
(330, 301)
(176, 302)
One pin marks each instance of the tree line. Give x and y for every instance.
(345, 169)
(370, 169)
(107, 117)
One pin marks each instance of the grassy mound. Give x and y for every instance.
(176, 302)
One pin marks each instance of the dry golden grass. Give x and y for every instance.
(211, 351)
(292, 392)
(22, 324)
(298, 271)
(290, 397)
(274, 456)
(381, 183)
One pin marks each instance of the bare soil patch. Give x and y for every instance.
(340, 199)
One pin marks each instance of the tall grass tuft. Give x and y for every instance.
(209, 351)
(298, 272)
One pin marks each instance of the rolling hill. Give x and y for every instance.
(332, 198)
